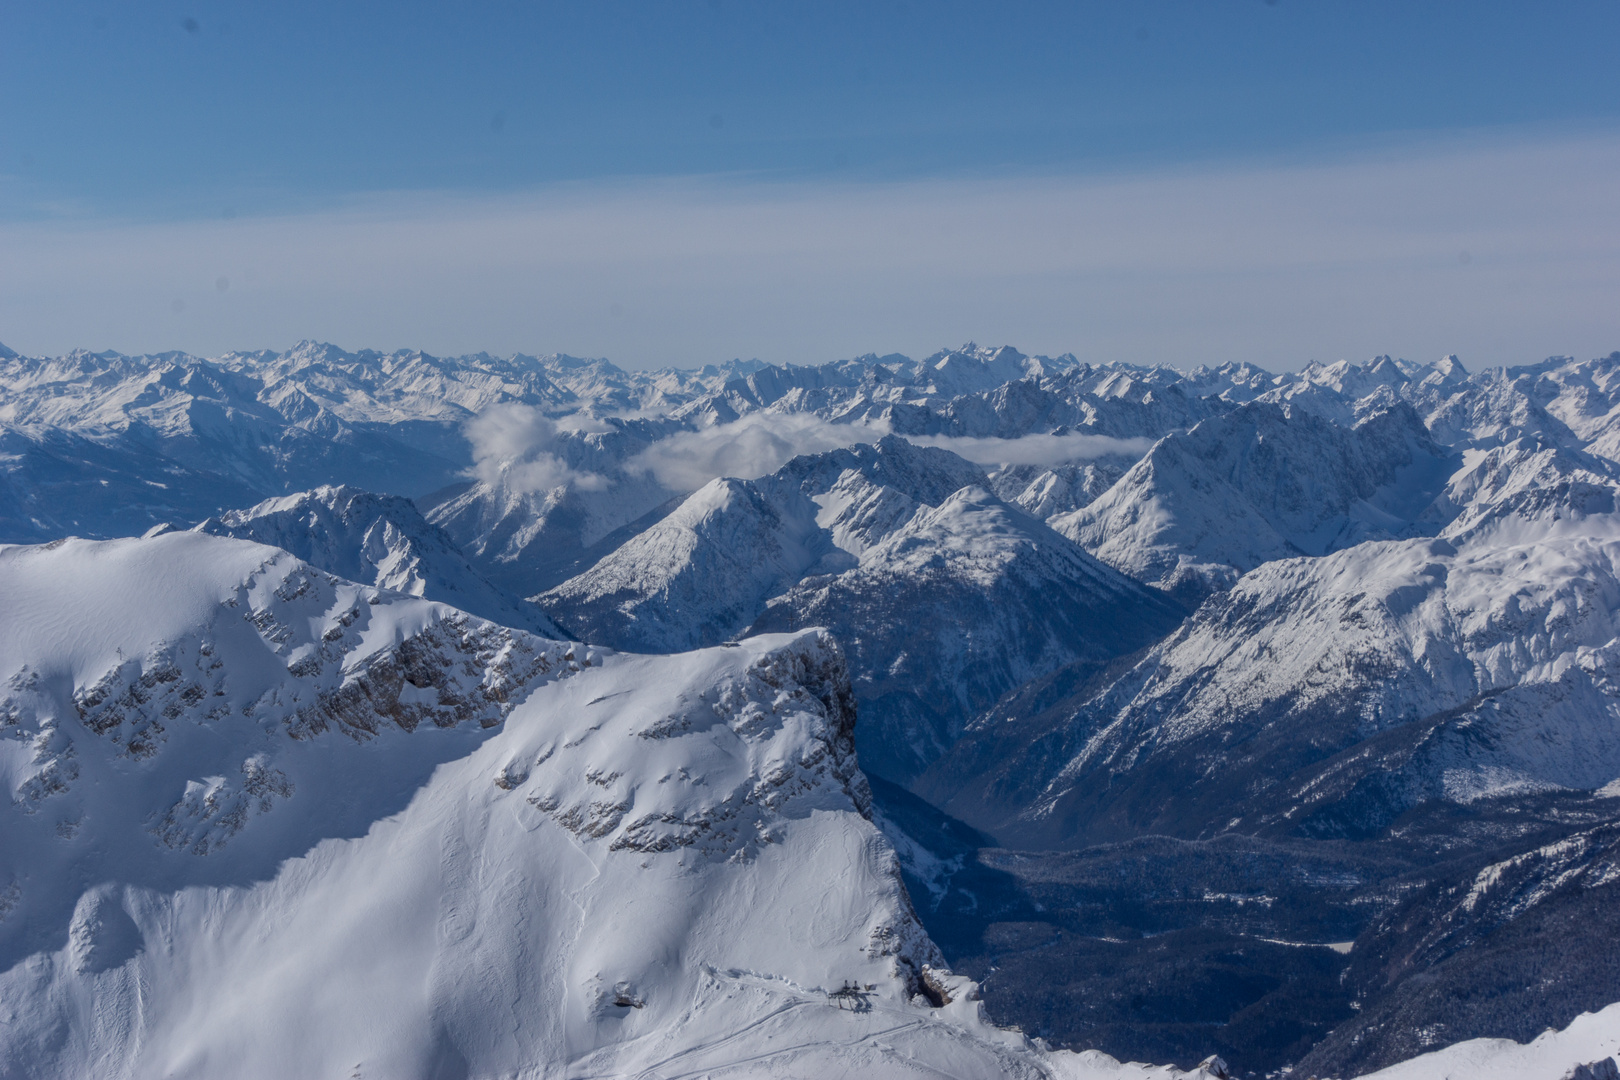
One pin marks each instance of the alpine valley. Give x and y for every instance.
(987, 715)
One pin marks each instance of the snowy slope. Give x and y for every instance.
(1591, 1039)
(527, 540)
(207, 434)
(1585, 397)
(1324, 696)
(233, 421)
(165, 694)
(211, 434)
(377, 540)
(585, 864)
(945, 596)
(1328, 695)
(1260, 483)
(704, 572)
(695, 578)
(1528, 479)
(955, 607)
(870, 387)
(1120, 403)
(536, 510)
(1046, 493)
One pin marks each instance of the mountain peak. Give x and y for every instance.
(380, 540)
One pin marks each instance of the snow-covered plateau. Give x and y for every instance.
(387, 715)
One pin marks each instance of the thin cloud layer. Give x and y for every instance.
(519, 448)
(1504, 250)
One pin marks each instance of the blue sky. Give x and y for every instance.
(684, 182)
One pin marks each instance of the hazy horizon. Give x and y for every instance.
(689, 183)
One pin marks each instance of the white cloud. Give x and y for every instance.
(754, 445)
(518, 447)
(760, 443)
(515, 446)
(1048, 450)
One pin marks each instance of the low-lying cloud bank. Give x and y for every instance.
(517, 447)
(1048, 450)
(755, 445)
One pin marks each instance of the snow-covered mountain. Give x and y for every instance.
(528, 540)
(379, 540)
(957, 606)
(211, 434)
(696, 578)
(703, 573)
(945, 596)
(250, 800)
(1386, 727)
(1047, 493)
(1260, 483)
(179, 437)
(1327, 696)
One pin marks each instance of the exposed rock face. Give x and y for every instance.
(1604, 1069)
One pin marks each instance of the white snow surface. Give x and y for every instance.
(236, 428)
(705, 572)
(979, 536)
(1589, 1038)
(234, 846)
